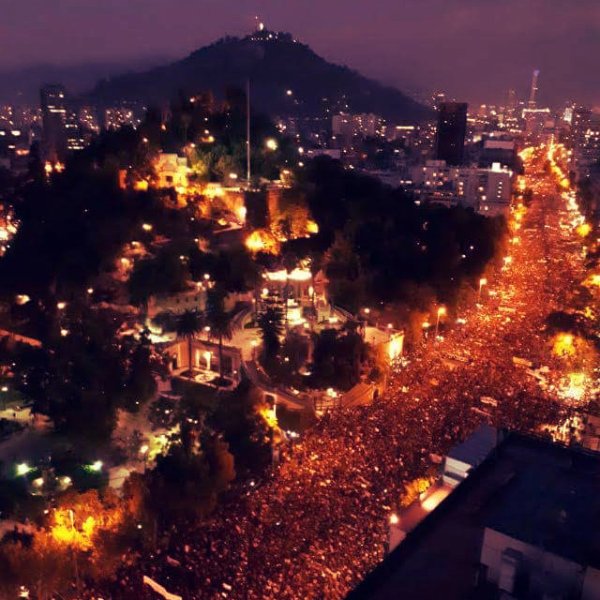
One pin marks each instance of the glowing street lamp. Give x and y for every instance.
(441, 312)
(96, 466)
(271, 144)
(23, 469)
(425, 326)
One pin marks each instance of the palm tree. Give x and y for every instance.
(219, 321)
(271, 326)
(189, 324)
(289, 264)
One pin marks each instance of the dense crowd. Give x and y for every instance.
(319, 522)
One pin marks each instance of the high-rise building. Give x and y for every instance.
(581, 121)
(534, 89)
(585, 142)
(511, 102)
(54, 117)
(74, 131)
(451, 131)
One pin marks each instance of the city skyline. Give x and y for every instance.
(486, 61)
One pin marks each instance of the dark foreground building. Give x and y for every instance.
(525, 524)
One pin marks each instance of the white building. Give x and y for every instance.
(486, 190)
(497, 183)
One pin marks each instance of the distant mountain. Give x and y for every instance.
(274, 63)
(22, 84)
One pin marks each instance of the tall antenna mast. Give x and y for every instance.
(248, 172)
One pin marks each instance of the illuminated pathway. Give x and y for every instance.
(320, 523)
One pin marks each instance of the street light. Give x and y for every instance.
(23, 469)
(482, 282)
(441, 311)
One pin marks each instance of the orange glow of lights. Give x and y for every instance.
(584, 229)
(262, 241)
(563, 345)
(312, 227)
(269, 416)
(395, 346)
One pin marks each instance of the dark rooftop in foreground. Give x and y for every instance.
(529, 489)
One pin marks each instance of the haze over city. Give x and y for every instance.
(475, 49)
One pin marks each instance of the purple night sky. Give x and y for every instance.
(473, 49)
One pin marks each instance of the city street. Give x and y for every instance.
(320, 522)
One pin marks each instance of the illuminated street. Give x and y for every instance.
(321, 522)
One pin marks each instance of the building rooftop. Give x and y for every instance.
(552, 502)
(477, 446)
(530, 489)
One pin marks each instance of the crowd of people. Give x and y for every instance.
(319, 522)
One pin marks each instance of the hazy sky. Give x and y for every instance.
(474, 49)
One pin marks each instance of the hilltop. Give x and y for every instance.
(287, 77)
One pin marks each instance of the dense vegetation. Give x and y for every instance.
(378, 246)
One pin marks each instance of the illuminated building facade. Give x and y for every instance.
(487, 190)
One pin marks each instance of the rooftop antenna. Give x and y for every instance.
(248, 171)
